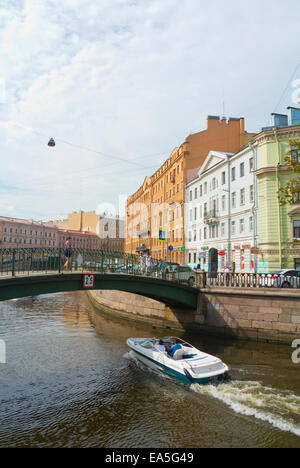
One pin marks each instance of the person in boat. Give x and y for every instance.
(160, 346)
(174, 347)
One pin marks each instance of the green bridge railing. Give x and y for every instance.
(22, 261)
(30, 260)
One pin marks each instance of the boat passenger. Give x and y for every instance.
(174, 347)
(160, 346)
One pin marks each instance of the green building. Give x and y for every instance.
(278, 226)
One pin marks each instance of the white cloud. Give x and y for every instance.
(128, 79)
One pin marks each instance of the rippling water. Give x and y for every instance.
(70, 381)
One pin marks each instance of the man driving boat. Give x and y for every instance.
(174, 347)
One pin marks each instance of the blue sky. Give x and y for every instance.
(129, 80)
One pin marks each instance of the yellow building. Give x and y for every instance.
(110, 231)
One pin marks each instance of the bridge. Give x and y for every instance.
(29, 272)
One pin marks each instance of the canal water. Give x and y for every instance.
(70, 381)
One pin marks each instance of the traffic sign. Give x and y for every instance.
(88, 281)
(162, 235)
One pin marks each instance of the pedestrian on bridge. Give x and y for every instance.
(68, 252)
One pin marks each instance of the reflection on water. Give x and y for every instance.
(70, 381)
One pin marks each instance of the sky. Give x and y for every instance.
(120, 83)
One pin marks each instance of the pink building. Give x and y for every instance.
(22, 233)
(17, 233)
(79, 239)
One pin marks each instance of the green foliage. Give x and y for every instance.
(290, 194)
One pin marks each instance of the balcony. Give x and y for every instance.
(211, 217)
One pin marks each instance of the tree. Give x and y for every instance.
(290, 194)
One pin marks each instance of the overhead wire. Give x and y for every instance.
(287, 86)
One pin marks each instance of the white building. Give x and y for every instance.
(221, 213)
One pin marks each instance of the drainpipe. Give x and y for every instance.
(255, 204)
(229, 213)
(278, 205)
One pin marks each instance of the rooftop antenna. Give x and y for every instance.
(223, 104)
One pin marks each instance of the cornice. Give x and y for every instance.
(282, 133)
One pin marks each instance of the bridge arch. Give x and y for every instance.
(171, 293)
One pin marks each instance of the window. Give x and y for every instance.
(205, 233)
(195, 214)
(233, 199)
(214, 183)
(205, 187)
(242, 225)
(201, 191)
(195, 236)
(200, 237)
(195, 258)
(190, 236)
(233, 174)
(251, 224)
(232, 227)
(242, 169)
(223, 178)
(196, 193)
(296, 227)
(295, 154)
(223, 202)
(242, 197)
(191, 215)
(223, 229)
(205, 209)
(251, 193)
(191, 195)
(251, 165)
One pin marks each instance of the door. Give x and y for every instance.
(213, 261)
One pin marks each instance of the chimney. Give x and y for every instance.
(279, 120)
(293, 116)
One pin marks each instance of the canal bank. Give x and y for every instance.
(264, 315)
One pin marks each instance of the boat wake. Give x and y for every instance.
(277, 407)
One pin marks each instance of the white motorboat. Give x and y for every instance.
(188, 364)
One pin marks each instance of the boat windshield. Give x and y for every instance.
(169, 340)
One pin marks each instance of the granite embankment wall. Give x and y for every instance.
(248, 314)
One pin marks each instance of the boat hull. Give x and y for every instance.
(173, 373)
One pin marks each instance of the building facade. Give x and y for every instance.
(279, 233)
(17, 233)
(79, 240)
(110, 231)
(21, 233)
(221, 213)
(158, 205)
(233, 213)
